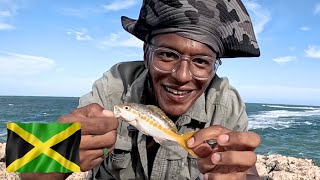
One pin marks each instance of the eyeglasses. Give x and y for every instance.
(167, 60)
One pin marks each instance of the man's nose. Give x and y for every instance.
(182, 71)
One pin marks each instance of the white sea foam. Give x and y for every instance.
(308, 123)
(10, 104)
(289, 107)
(3, 132)
(281, 119)
(46, 114)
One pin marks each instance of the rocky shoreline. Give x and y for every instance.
(278, 167)
(271, 167)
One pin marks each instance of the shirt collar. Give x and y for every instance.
(195, 112)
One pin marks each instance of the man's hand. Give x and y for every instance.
(98, 131)
(231, 156)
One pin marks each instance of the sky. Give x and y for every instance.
(59, 48)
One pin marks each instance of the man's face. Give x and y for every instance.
(177, 91)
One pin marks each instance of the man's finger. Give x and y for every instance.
(206, 134)
(94, 125)
(221, 176)
(90, 158)
(241, 141)
(98, 141)
(46, 176)
(203, 150)
(91, 164)
(89, 155)
(91, 110)
(244, 159)
(205, 165)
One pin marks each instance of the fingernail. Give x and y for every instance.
(216, 157)
(107, 113)
(205, 176)
(224, 138)
(190, 142)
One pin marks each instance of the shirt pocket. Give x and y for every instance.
(176, 160)
(120, 157)
(193, 167)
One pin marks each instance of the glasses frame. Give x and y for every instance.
(152, 48)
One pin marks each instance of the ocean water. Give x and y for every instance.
(292, 130)
(32, 109)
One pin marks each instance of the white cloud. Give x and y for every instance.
(119, 5)
(22, 74)
(305, 28)
(292, 48)
(313, 51)
(317, 9)
(5, 13)
(5, 26)
(280, 94)
(22, 64)
(81, 12)
(72, 12)
(80, 35)
(280, 88)
(259, 15)
(121, 39)
(48, 86)
(284, 59)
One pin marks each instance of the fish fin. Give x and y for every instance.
(157, 110)
(165, 142)
(183, 142)
(140, 128)
(159, 141)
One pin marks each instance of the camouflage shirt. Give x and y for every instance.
(127, 82)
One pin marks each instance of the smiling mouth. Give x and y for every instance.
(176, 92)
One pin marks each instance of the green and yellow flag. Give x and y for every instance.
(43, 147)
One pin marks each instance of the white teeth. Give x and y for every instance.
(176, 92)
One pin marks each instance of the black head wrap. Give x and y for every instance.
(224, 25)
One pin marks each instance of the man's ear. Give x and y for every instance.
(145, 55)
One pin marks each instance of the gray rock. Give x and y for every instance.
(271, 167)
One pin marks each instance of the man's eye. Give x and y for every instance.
(201, 62)
(169, 55)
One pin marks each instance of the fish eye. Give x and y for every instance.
(126, 108)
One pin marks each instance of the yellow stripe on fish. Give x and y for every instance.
(152, 121)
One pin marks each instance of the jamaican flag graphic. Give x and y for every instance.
(43, 147)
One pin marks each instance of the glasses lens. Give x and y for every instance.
(165, 59)
(201, 66)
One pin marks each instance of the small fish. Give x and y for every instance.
(152, 121)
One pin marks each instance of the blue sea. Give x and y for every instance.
(292, 130)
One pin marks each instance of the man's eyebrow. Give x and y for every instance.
(174, 47)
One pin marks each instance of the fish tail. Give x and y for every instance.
(183, 142)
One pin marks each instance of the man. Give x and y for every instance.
(184, 41)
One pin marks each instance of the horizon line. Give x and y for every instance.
(53, 96)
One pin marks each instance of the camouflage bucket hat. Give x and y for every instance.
(223, 25)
